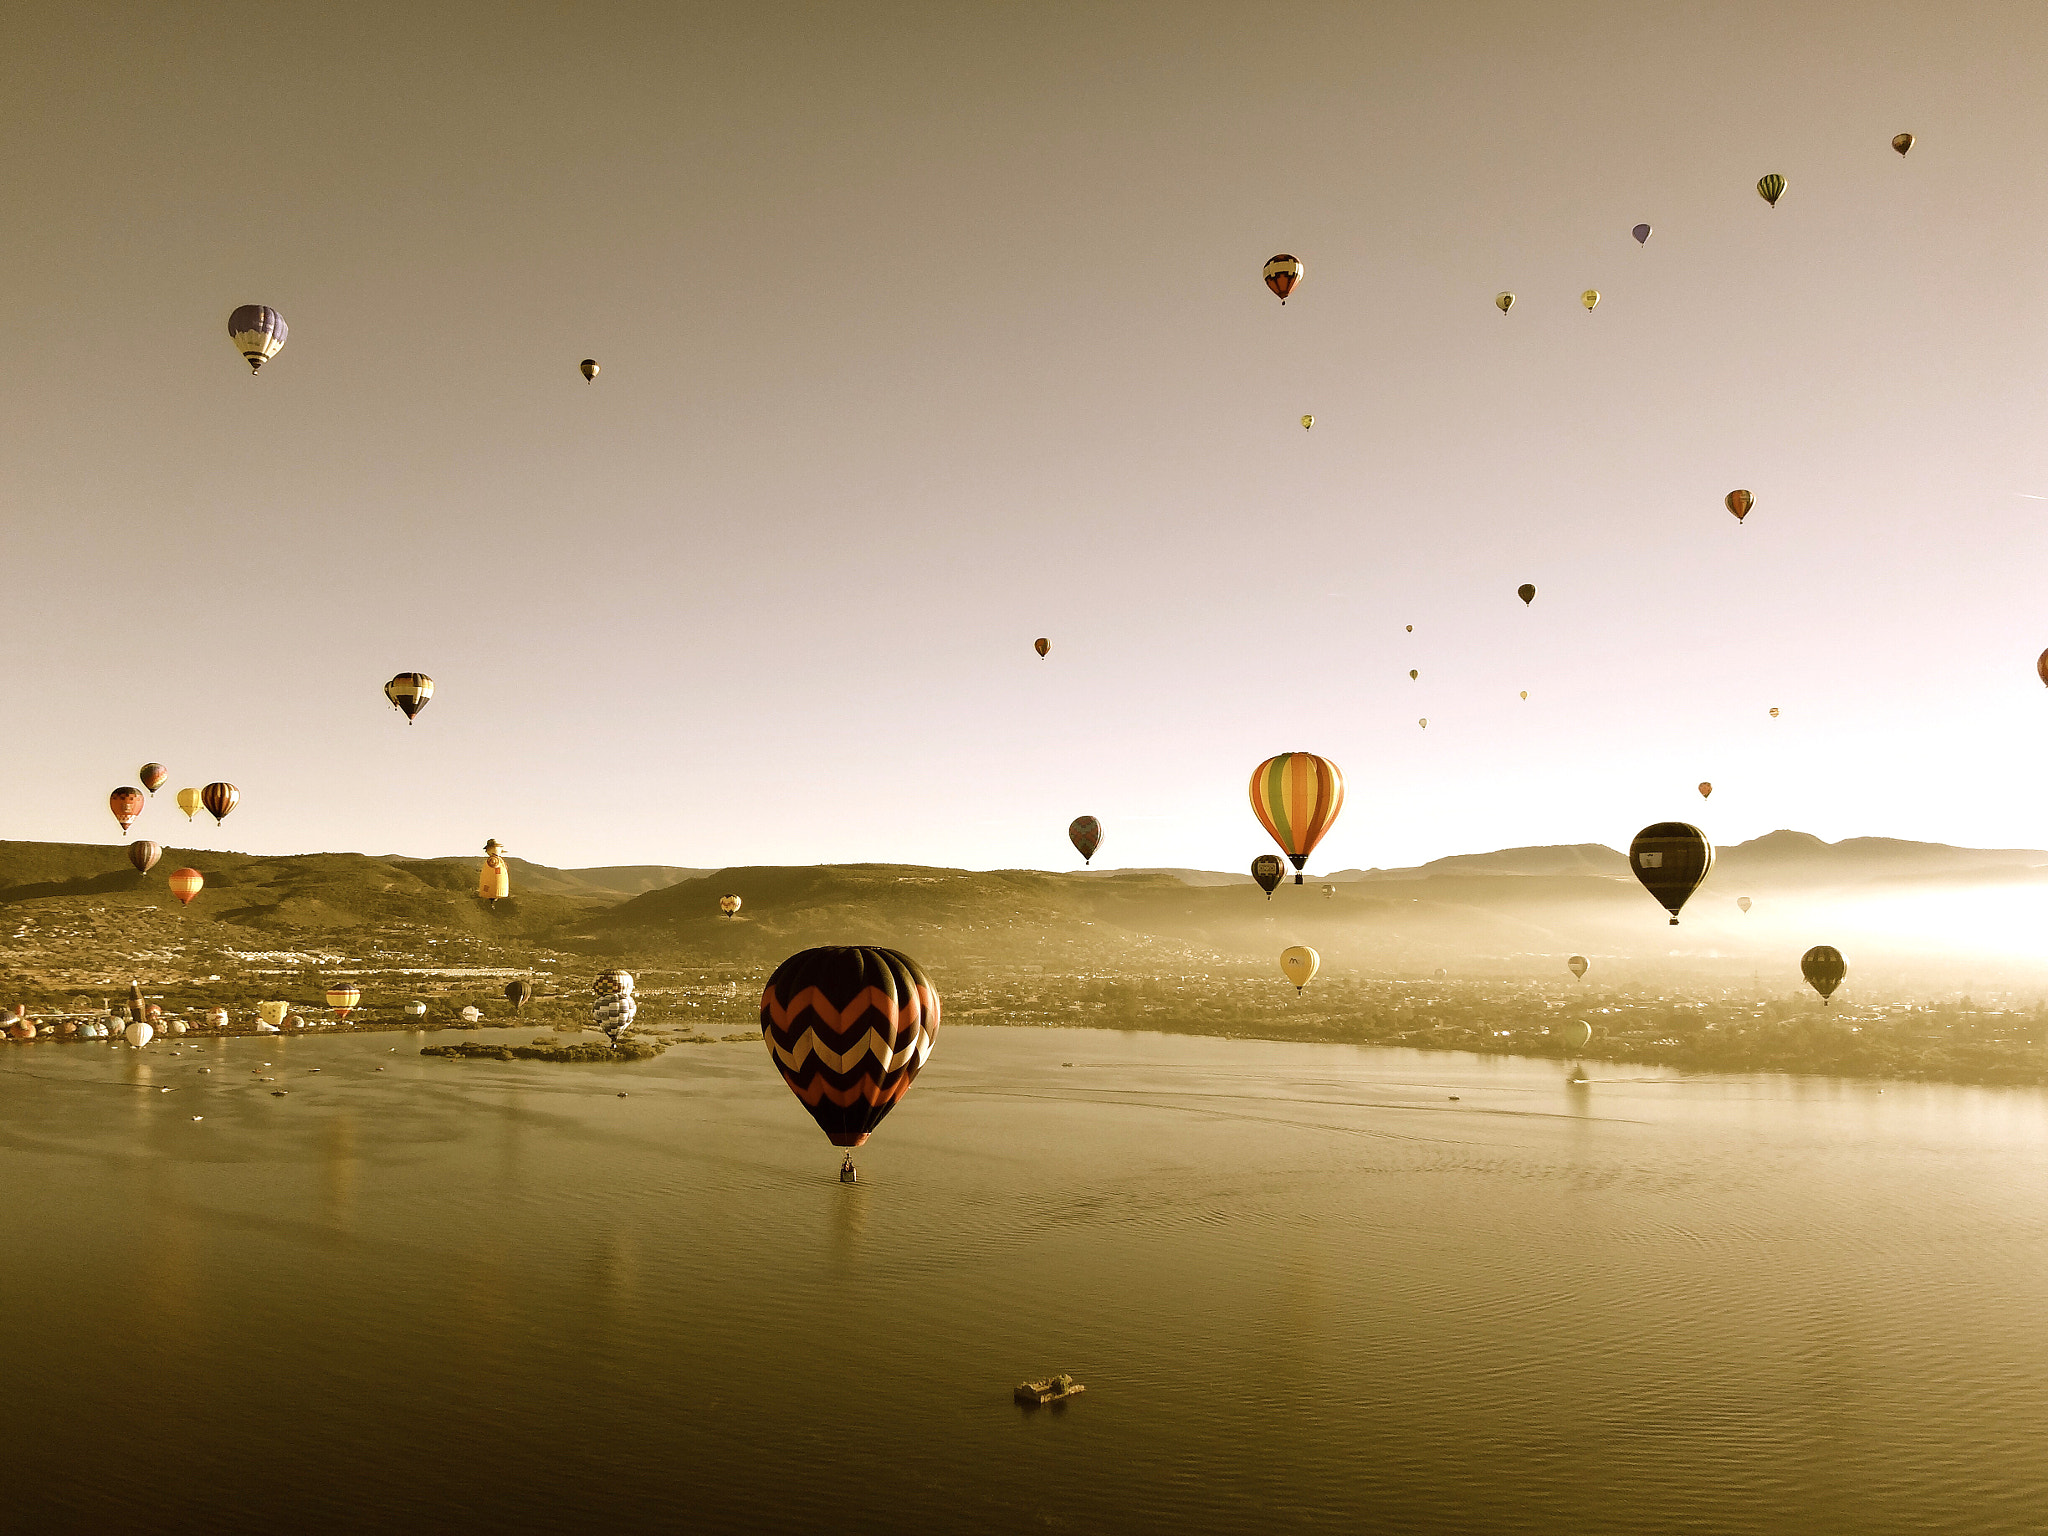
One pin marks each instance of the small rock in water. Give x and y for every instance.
(622, 1095)
(1454, 1098)
(199, 1117)
(277, 1093)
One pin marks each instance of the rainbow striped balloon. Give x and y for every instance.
(1296, 797)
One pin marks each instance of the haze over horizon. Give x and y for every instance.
(932, 332)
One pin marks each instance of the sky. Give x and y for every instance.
(927, 330)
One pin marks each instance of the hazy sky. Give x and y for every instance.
(927, 330)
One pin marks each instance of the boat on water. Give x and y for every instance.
(1054, 1389)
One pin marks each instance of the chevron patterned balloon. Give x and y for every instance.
(849, 1029)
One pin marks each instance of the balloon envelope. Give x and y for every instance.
(1642, 234)
(614, 1012)
(1526, 592)
(153, 776)
(1738, 502)
(1706, 789)
(188, 802)
(1041, 646)
(730, 905)
(1576, 1034)
(1742, 902)
(1770, 189)
(1902, 142)
(1671, 858)
(258, 332)
(1503, 302)
(410, 692)
(1823, 967)
(126, 803)
(612, 981)
(1269, 869)
(1299, 964)
(141, 1034)
(185, 884)
(1307, 422)
(143, 855)
(1590, 298)
(1085, 833)
(1577, 964)
(589, 369)
(1282, 273)
(273, 1012)
(343, 997)
(849, 1029)
(219, 799)
(518, 993)
(1296, 797)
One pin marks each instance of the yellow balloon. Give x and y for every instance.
(1307, 422)
(188, 802)
(1299, 965)
(1525, 693)
(1503, 302)
(1590, 297)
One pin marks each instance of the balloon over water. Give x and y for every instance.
(1296, 797)
(849, 1029)
(1671, 858)
(1577, 1034)
(518, 993)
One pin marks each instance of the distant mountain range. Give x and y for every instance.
(1515, 911)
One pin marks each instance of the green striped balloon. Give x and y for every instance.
(1770, 189)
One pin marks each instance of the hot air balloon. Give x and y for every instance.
(1041, 646)
(1577, 965)
(143, 855)
(152, 776)
(1299, 964)
(613, 981)
(471, 1015)
(1902, 142)
(126, 803)
(141, 1034)
(188, 802)
(416, 1009)
(613, 1013)
(590, 369)
(258, 332)
(730, 905)
(273, 1013)
(1590, 298)
(410, 692)
(216, 1018)
(1307, 422)
(849, 1029)
(1642, 234)
(1503, 301)
(137, 1009)
(1706, 789)
(1282, 273)
(1742, 902)
(1413, 675)
(1770, 189)
(1823, 967)
(342, 997)
(1774, 711)
(1525, 695)
(1269, 869)
(518, 993)
(1085, 833)
(1526, 592)
(1424, 723)
(1671, 858)
(219, 799)
(1296, 797)
(1738, 502)
(1411, 629)
(2040, 669)
(1577, 1034)
(494, 879)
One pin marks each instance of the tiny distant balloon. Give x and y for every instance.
(258, 332)
(1738, 502)
(1742, 902)
(1423, 722)
(1307, 422)
(1503, 301)
(219, 799)
(1269, 869)
(143, 856)
(1770, 189)
(126, 803)
(152, 776)
(1577, 965)
(185, 884)
(730, 905)
(188, 802)
(1824, 968)
(1282, 273)
(1526, 592)
(1085, 833)
(590, 370)
(1902, 142)
(1590, 298)
(1774, 709)
(1642, 234)
(1706, 789)
(1042, 646)
(1525, 695)
(1299, 964)
(1411, 629)
(2040, 668)
(1413, 675)
(410, 692)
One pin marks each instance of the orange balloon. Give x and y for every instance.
(185, 884)
(1706, 789)
(126, 803)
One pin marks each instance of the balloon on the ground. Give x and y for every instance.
(1299, 964)
(152, 776)
(274, 1012)
(1296, 797)
(1742, 902)
(185, 884)
(126, 803)
(1503, 301)
(141, 1034)
(219, 799)
(1282, 273)
(1738, 502)
(188, 802)
(1671, 858)
(258, 332)
(410, 691)
(730, 904)
(472, 1014)
(1577, 964)
(1085, 833)
(589, 369)
(1042, 646)
(1642, 234)
(417, 1009)
(343, 997)
(143, 855)
(1526, 592)
(1269, 869)
(849, 1029)
(1823, 967)
(1576, 1034)
(1770, 189)
(1902, 142)
(494, 879)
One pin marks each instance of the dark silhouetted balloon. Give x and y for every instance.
(1577, 1034)
(1526, 592)
(1269, 869)
(1642, 234)
(1902, 142)
(1671, 858)
(589, 367)
(1041, 646)
(1577, 963)
(849, 1029)
(1085, 833)
(518, 993)
(1823, 967)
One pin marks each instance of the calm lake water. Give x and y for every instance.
(1305, 1289)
